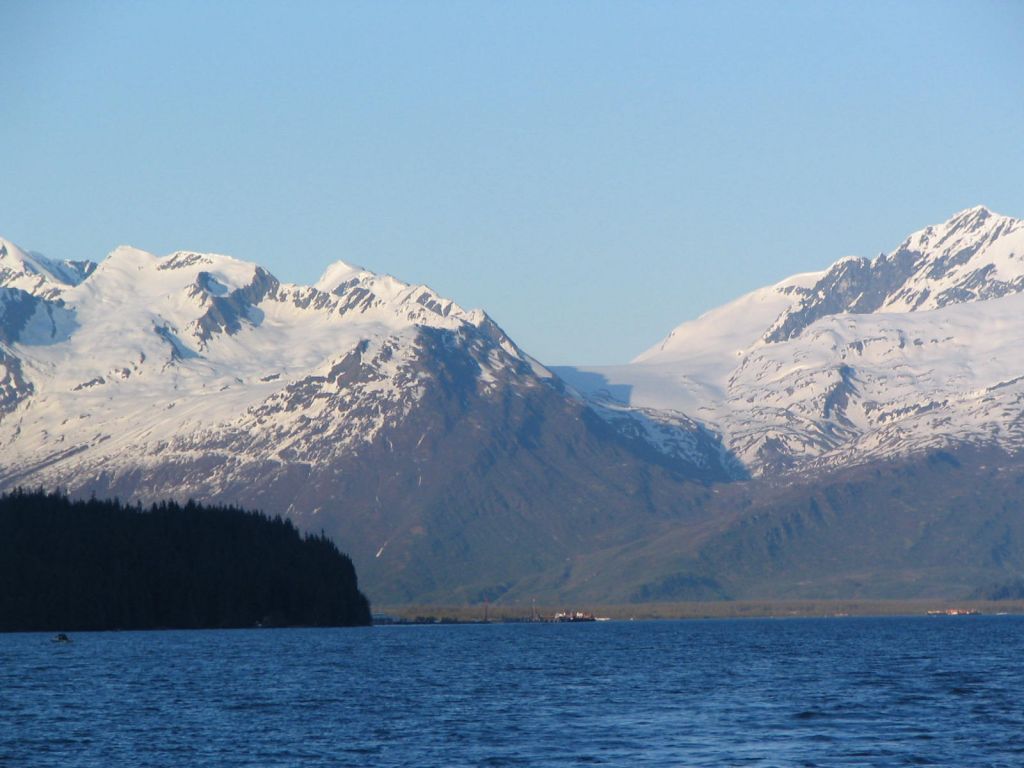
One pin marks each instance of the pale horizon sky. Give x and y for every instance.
(590, 174)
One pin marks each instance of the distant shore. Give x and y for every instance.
(739, 609)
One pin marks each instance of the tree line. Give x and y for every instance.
(97, 565)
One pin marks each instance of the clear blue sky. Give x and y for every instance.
(591, 174)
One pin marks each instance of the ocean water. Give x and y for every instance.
(916, 691)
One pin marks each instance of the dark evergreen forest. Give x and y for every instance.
(94, 565)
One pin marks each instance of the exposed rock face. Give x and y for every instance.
(13, 386)
(976, 255)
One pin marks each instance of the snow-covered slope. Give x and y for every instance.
(147, 355)
(907, 352)
(688, 371)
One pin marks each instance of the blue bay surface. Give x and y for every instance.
(911, 691)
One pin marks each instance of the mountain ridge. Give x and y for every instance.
(453, 466)
(377, 410)
(839, 366)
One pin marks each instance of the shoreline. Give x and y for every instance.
(478, 613)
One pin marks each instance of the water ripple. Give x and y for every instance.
(884, 692)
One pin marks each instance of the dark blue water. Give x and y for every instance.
(929, 691)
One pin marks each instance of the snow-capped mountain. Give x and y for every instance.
(914, 350)
(454, 467)
(35, 274)
(360, 404)
(149, 353)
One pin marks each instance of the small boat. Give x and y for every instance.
(60, 637)
(574, 616)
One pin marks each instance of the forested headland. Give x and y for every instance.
(95, 565)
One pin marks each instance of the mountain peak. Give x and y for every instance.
(976, 221)
(973, 211)
(337, 274)
(973, 256)
(36, 274)
(127, 268)
(125, 253)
